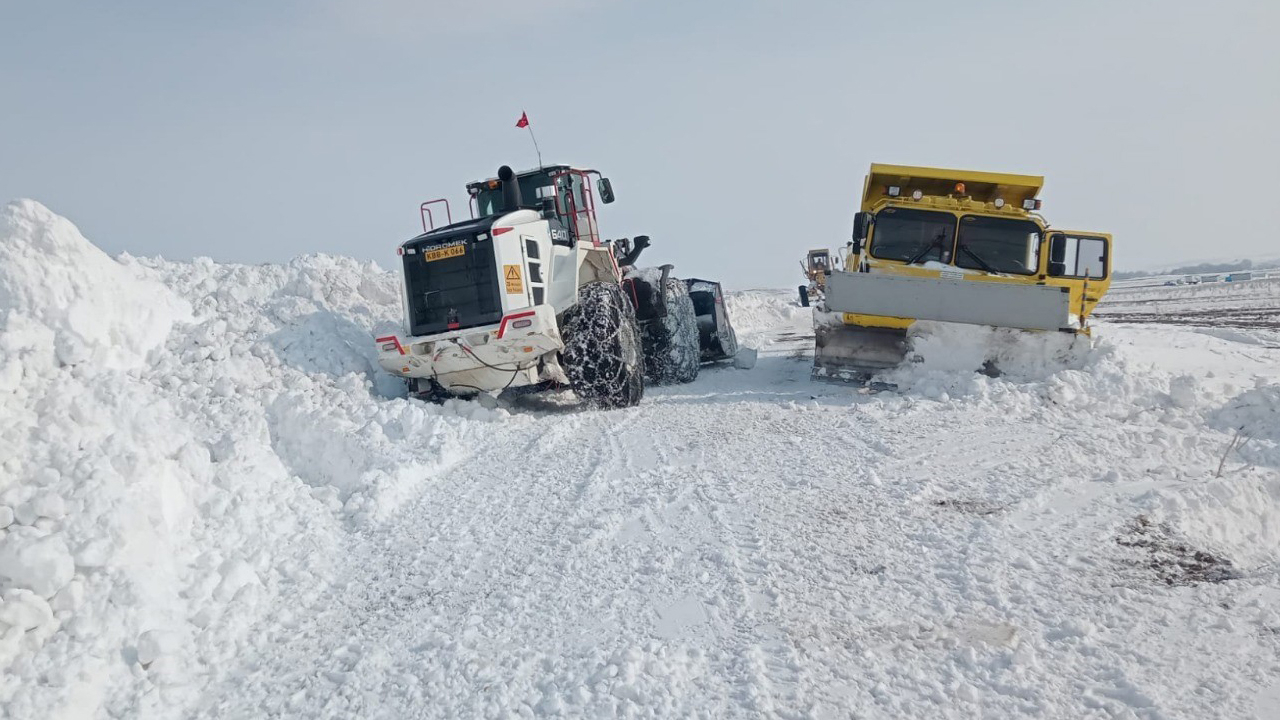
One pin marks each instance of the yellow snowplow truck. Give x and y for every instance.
(952, 246)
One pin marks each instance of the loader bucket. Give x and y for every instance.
(715, 334)
(853, 352)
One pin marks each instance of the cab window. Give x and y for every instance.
(998, 245)
(906, 234)
(1079, 256)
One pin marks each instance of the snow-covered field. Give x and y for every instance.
(1223, 307)
(213, 505)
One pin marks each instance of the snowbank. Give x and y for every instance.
(184, 448)
(757, 314)
(99, 311)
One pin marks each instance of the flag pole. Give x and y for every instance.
(535, 145)
(523, 122)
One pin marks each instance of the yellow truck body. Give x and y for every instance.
(923, 236)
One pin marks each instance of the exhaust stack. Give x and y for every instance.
(511, 199)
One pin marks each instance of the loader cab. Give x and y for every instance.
(562, 193)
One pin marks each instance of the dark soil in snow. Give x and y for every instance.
(1174, 561)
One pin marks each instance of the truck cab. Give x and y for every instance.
(967, 226)
(954, 246)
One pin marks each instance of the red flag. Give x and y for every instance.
(523, 122)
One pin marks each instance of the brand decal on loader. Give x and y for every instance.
(445, 251)
(515, 284)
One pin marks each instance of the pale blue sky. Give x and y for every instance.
(736, 133)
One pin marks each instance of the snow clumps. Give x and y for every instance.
(54, 285)
(184, 448)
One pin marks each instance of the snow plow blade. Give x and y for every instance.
(955, 300)
(852, 353)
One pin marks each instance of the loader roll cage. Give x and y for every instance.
(571, 190)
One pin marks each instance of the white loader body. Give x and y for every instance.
(537, 278)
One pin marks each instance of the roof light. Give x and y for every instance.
(999, 203)
(916, 195)
(400, 251)
(894, 191)
(1031, 204)
(960, 188)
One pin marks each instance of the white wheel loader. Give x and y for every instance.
(526, 294)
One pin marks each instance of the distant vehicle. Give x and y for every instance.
(1193, 279)
(1239, 277)
(816, 267)
(1209, 278)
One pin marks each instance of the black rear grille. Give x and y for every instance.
(452, 293)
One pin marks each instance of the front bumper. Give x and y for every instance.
(478, 359)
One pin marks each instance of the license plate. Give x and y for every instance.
(445, 252)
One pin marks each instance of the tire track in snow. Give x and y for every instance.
(764, 652)
(392, 584)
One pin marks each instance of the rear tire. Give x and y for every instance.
(672, 350)
(601, 355)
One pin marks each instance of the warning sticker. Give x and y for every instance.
(511, 273)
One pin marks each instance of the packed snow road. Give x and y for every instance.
(753, 544)
(233, 515)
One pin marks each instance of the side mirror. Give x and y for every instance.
(861, 225)
(548, 207)
(606, 190)
(1057, 249)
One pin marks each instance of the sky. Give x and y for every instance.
(736, 134)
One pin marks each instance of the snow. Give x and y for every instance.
(212, 504)
(98, 311)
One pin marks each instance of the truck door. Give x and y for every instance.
(1080, 261)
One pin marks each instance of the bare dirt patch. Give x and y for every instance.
(1173, 561)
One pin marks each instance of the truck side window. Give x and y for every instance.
(1077, 256)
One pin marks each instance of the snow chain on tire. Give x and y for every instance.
(601, 354)
(671, 345)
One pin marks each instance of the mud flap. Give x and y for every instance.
(853, 353)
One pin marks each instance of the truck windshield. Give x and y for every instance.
(906, 234)
(999, 245)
